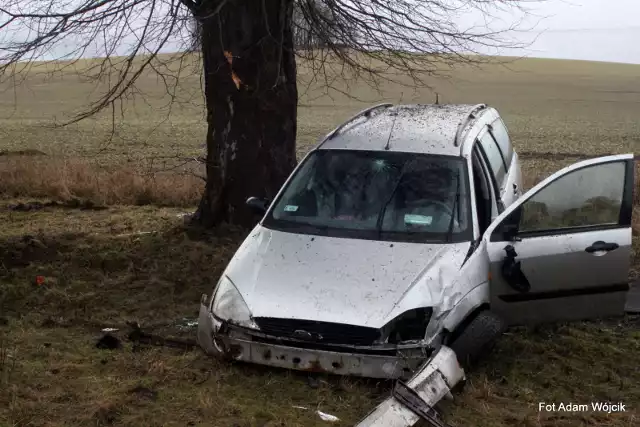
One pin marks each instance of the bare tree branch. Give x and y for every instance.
(361, 39)
(383, 39)
(248, 49)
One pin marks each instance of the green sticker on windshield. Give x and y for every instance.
(411, 219)
(290, 208)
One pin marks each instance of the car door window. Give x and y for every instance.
(569, 245)
(587, 197)
(494, 157)
(501, 135)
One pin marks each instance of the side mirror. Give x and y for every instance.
(258, 205)
(510, 232)
(511, 225)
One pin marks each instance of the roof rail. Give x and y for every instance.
(471, 114)
(366, 112)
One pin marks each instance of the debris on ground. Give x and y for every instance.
(323, 415)
(186, 324)
(414, 400)
(144, 392)
(327, 417)
(138, 336)
(110, 330)
(108, 342)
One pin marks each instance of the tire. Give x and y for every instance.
(477, 338)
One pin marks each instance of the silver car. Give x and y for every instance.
(405, 230)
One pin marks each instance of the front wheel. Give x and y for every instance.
(477, 338)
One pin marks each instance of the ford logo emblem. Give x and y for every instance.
(305, 335)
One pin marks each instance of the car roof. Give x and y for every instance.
(419, 128)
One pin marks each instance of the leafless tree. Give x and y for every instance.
(248, 58)
(311, 19)
(304, 37)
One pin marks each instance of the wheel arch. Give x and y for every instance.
(453, 331)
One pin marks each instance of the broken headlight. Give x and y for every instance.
(409, 326)
(229, 305)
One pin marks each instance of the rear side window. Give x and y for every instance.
(500, 134)
(493, 157)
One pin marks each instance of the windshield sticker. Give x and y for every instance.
(411, 219)
(290, 208)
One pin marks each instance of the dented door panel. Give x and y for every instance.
(567, 282)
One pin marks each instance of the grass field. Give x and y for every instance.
(131, 260)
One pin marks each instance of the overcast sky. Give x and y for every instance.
(599, 30)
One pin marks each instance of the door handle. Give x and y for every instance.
(602, 246)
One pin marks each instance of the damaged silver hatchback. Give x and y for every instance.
(405, 230)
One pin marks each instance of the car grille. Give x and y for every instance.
(324, 332)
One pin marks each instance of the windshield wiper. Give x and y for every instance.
(454, 206)
(383, 211)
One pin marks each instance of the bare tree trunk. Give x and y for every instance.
(251, 99)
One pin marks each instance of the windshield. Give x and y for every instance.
(376, 195)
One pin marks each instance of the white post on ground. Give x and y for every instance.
(433, 381)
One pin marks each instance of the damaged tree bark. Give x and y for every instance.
(251, 101)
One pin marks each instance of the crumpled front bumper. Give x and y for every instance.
(222, 339)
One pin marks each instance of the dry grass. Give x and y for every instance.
(108, 273)
(72, 178)
(99, 268)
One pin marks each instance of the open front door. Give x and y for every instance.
(562, 251)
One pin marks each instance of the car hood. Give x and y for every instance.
(350, 281)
